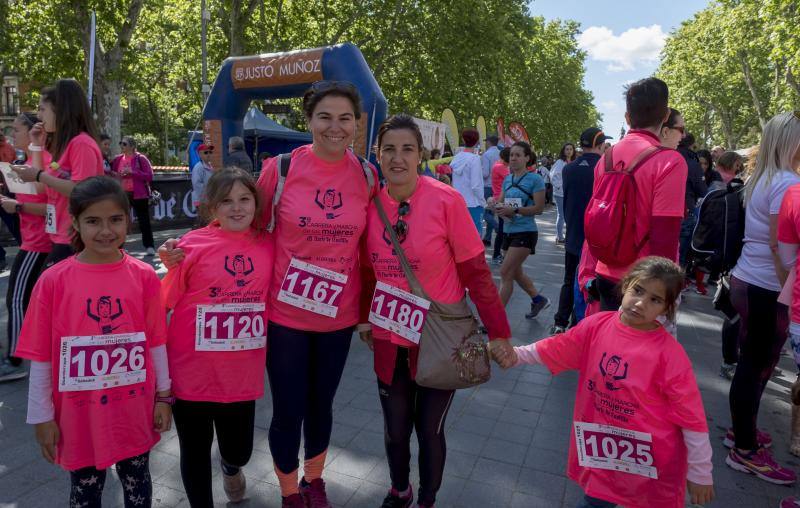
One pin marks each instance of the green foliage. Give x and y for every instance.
(478, 57)
(730, 68)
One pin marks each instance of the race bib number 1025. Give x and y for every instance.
(95, 362)
(615, 449)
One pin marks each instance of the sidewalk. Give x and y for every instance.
(507, 440)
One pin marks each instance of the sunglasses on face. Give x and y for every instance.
(123, 143)
(207, 152)
(401, 227)
(680, 129)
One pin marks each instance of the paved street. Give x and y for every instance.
(507, 439)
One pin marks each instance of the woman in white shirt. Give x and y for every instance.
(756, 282)
(566, 156)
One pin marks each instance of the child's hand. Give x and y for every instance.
(503, 353)
(700, 494)
(169, 254)
(47, 435)
(162, 417)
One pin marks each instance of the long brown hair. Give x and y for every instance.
(72, 112)
(94, 190)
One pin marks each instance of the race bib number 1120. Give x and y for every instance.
(615, 449)
(95, 362)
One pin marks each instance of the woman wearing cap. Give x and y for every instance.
(314, 299)
(447, 256)
(201, 172)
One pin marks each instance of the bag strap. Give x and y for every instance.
(284, 160)
(516, 184)
(413, 282)
(642, 157)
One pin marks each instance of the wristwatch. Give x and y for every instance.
(166, 400)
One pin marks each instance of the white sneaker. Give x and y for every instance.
(9, 372)
(150, 251)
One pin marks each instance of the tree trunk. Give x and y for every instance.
(748, 79)
(109, 108)
(791, 80)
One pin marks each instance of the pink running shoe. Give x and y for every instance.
(790, 502)
(314, 493)
(761, 464)
(763, 439)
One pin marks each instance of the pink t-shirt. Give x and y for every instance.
(322, 214)
(221, 267)
(499, 172)
(77, 303)
(127, 180)
(31, 226)
(81, 159)
(440, 236)
(789, 232)
(642, 384)
(660, 184)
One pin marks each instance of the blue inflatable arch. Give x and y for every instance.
(282, 75)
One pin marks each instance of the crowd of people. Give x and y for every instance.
(283, 270)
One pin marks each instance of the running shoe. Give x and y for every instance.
(727, 370)
(763, 439)
(790, 502)
(556, 329)
(761, 464)
(234, 485)
(314, 493)
(560, 241)
(538, 306)
(487, 242)
(150, 251)
(9, 372)
(394, 499)
(293, 501)
(497, 261)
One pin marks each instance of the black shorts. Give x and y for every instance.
(526, 239)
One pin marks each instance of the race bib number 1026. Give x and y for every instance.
(615, 449)
(95, 362)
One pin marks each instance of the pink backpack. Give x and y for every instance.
(610, 220)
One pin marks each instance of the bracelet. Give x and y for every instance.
(34, 148)
(364, 327)
(39, 174)
(18, 208)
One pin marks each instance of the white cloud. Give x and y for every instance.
(610, 106)
(623, 51)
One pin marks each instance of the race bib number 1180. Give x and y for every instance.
(615, 449)
(95, 362)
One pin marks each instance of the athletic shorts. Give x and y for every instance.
(526, 239)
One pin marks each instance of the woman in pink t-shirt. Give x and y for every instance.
(32, 252)
(99, 391)
(217, 333)
(640, 436)
(136, 173)
(67, 130)
(319, 220)
(446, 253)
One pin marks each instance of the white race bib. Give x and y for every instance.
(230, 327)
(398, 311)
(513, 202)
(615, 449)
(312, 288)
(50, 219)
(94, 362)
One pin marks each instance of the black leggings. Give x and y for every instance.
(195, 423)
(60, 252)
(24, 273)
(142, 209)
(610, 296)
(304, 370)
(134, 474)
(498, 240)
(763, 328)
(408, 406)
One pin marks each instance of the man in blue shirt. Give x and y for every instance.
(578, 181)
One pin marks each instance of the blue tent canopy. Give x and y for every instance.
(256, 124)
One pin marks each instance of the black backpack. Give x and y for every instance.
(718, 236)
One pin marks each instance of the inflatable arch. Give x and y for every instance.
(281, 75)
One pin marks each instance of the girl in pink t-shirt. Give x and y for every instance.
(640, 434)
(95, 330)
(217, 333)
(67, 130)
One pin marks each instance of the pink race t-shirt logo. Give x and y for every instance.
(238, 268)
(329, 203)
(610, 371)
(104, 314)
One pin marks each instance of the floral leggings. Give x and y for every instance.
(134, 474)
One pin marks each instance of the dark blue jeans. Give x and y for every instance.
(488, 216)
(687, 229)
(304, 370)
(593, 502)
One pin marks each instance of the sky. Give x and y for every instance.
(623, 39)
